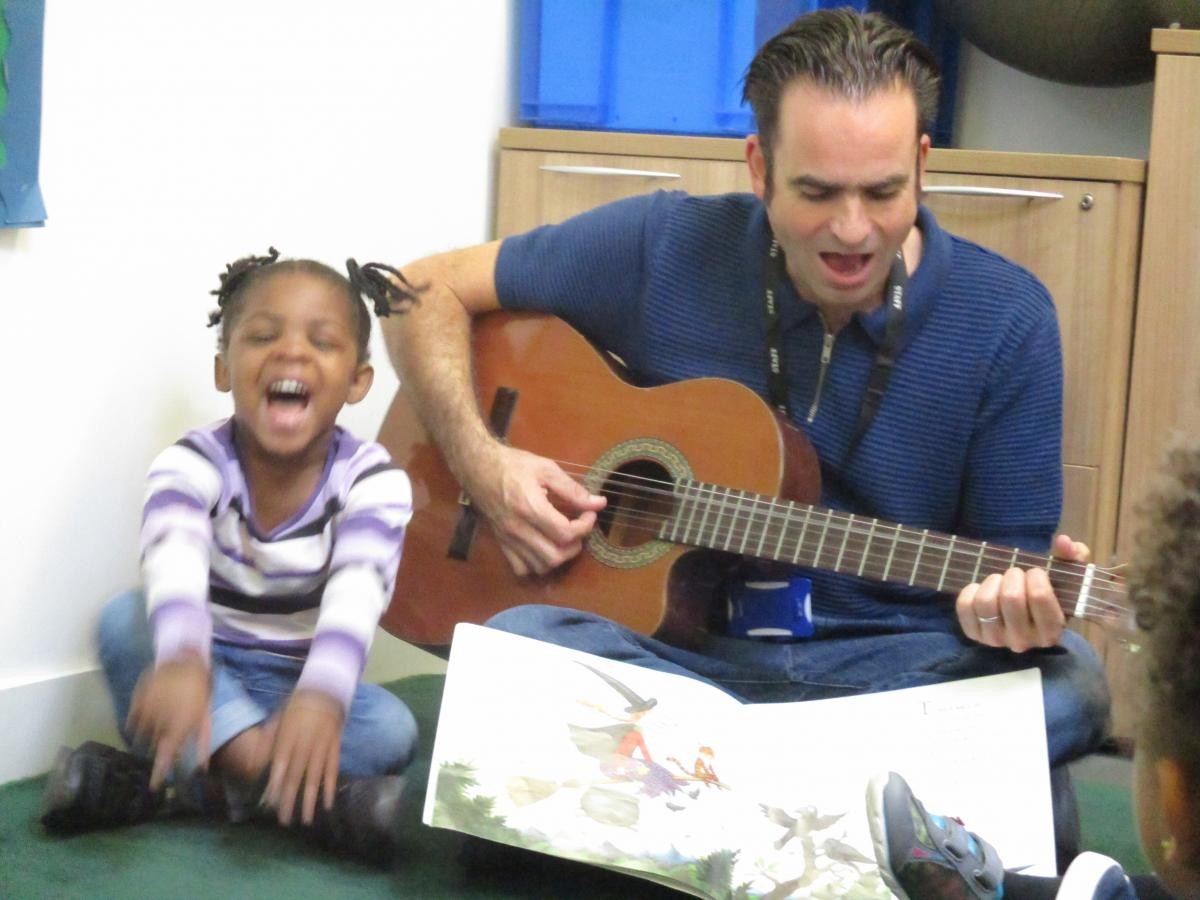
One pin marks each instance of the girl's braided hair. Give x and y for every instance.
(394, 294)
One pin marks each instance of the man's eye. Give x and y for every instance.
(817, 196)
(260, 338)
(884, 194)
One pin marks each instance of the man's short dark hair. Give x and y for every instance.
(851, 54)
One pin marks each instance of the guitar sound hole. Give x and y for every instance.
(639, 496)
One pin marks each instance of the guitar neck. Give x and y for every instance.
(719, 518)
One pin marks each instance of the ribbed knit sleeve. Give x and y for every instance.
(182, 488)
(368, 537)
(590, 270)
(1013, 488)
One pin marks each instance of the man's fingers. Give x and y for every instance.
(1044, 608)
(979, 613)
(515, 561)
(1076, 551)
(1017, 632)
(536, 553)
(572, 492)
(965, 609)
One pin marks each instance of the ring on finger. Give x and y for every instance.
(988, 620)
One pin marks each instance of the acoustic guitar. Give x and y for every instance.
(699, 465)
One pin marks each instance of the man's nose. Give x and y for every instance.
(851, 225)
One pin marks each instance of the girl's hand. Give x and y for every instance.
(171, 705)
(306, 753)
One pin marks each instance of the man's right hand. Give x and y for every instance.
(539, 513)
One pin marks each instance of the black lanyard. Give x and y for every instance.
(881, 371)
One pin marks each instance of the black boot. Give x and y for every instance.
(96, 786)
(365, 819)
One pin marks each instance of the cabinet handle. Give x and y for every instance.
(989, 191)
(609, 171)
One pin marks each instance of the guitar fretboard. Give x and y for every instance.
(718, 518)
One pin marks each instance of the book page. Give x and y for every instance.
(667, 777)
(973, 749)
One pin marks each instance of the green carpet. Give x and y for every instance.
(192, 857)
(183, 857)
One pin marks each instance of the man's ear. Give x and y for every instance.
(757, 164)
(923, 145)
(221, 374)
(1178, 797)
(364, 376)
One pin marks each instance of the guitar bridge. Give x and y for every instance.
(503, 403)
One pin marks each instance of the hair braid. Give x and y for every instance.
(234, 277)
(389, 290)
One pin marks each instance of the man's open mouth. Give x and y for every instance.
(847, 264)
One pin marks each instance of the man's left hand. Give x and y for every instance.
(1018, 609)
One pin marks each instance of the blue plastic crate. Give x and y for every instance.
(645, 65)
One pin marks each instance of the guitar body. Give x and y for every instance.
(570, 405)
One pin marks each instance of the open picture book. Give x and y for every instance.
(670, 779)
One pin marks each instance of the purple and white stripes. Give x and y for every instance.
(314, 586)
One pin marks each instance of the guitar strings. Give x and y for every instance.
(764, 511)
(841, 525)
(1097, 606)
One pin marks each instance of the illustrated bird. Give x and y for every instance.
(840, 851)
(806, 820)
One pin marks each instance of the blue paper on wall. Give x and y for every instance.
(21, 112)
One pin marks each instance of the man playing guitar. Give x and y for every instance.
(924, 370)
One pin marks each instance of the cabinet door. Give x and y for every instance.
(540, 188)
(1081, 250)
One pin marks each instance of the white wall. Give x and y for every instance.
(1001, 108)
(175, 138)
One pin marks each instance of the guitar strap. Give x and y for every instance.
(881, 370)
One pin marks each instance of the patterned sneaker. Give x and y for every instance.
(1092, 876)
(96, 786)
(926, 857)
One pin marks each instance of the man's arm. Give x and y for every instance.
(539, 513)
(1016, 487)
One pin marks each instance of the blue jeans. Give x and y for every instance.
(1073, 685)
(248, 686)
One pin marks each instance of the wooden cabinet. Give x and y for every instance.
(1165, 385)
(1082, 242)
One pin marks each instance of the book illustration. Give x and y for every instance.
(673, 780)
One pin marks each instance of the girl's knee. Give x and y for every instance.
(122, 630)
(380, 740)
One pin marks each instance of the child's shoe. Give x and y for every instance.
(1092, 876)
(365, 819)
(926, 857)
(96, 786)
